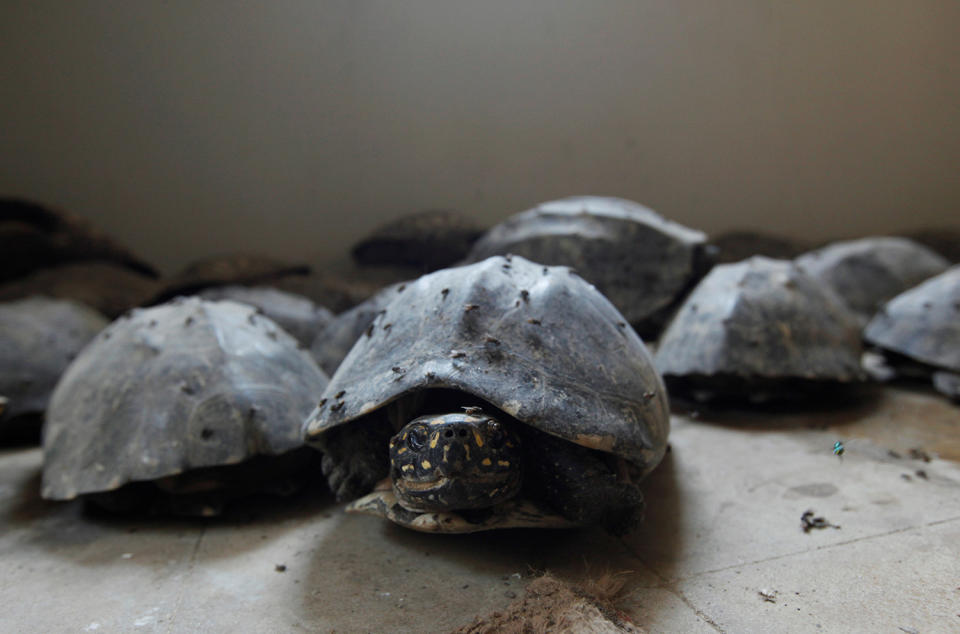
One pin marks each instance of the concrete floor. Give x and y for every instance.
(723, 525)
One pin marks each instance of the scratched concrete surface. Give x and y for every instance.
(723, 526)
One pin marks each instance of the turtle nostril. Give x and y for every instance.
(448, 434)
(462, 433)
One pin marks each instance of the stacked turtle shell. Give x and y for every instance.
(424, 241)
(866, 273)
(39, 337)
(759, 330)
(296, 314)
(920, 331)
(248, 269)
(52, 252)
(642, 263)
(335, 340)
(166, 397)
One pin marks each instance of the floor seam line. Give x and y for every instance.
(191, 563)
(817, 548)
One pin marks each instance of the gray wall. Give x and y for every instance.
(188, 128)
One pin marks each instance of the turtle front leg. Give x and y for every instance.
(355, 457)
(578, 483)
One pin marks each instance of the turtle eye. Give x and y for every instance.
(496, 436)
(417, 437)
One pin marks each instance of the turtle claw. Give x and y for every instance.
(351, 477)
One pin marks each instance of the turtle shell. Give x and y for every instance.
(866, 273)
(227, 269)
(755, 321)
(109, 288)
(944, 240)
(39, 337)
(427, 240)
(737, 245)
(640, 261)
(181, 386)
(296, 314)
(333, 343)
(537, 342)
(922, 323)
(33, 236)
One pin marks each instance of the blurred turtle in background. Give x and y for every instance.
(641, 262)
(943, 240)
(109, 288)
(334, 342)
(248, 269)
(760, 330)
(181, 408)
(296, 314)
(39, 337)
(738, 245)
(33, 236)
(424, 241)
(919, 332)
(865, 273)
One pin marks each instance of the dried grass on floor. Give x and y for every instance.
(550, 605)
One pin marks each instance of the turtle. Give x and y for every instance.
(498, 394)
(226, 269)
(39, 337)
(34, 236)
(919, 332)
(643, 263)
(296, 314)
(425, 240)
(867, 272)
(339, 284)
(760, 330)
(109, 288)
(334, 342)
(944, 240)
(181, 408)
(740, 244)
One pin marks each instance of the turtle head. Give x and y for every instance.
(454, 461)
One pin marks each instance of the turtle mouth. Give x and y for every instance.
(442, 481)
(446, 492)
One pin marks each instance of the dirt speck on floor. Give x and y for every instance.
(810, 521)
(550, 605)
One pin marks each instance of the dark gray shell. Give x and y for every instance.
(180, 386)
(537, 342)
(333, 343)
(231, 268)
(640, 261)
(296, 314)
(34, 236)
(427, 240)
(39, 337)
(923, 323)
(734, 246)
(944, 240)
(866, 273)
(111, 289)
(761, 319)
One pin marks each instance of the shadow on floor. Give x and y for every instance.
(366, 562)
(67, 528)
(836, 408)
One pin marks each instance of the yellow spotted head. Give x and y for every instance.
(454, 461)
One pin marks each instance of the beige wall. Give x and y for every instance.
(188, 128)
